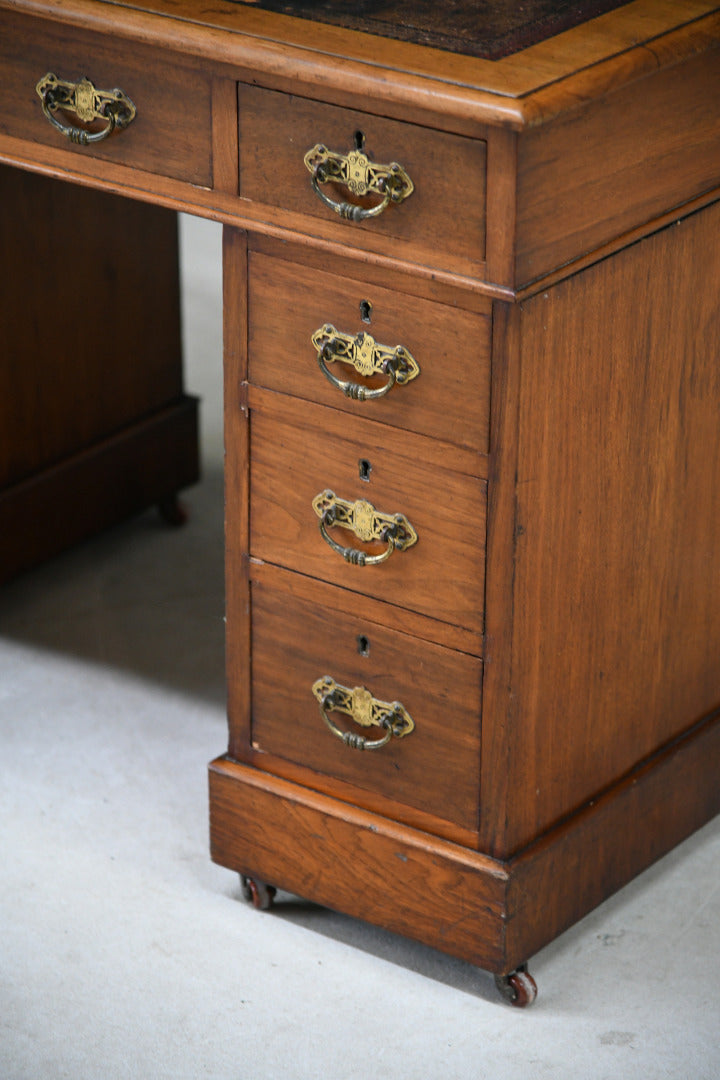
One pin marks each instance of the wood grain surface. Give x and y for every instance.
(616, 594)
(448, 400)
(299, 450)
(560, 473)
(170, 134)
(359, 863)
(492, 913)
(90, 288)
(442, 222)
(285, 49)
(94, 424)
(619, 161)
(435, 768)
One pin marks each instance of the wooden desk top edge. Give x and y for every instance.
(518, 91)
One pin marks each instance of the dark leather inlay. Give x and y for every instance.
(488, 29)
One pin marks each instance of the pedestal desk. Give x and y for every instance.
(472, 380)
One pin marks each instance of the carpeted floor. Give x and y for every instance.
(124, 953)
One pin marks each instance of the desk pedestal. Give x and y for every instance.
(94, 424)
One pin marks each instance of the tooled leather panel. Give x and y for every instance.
(487, 29)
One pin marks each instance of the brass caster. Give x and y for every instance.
(172, 511)
(517, 987)
(257, 892)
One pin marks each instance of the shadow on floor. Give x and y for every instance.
(142, 597)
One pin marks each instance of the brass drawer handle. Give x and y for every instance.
(361, 176)
(365, 710)
(367, 523)
(367, 357)
(88, 104)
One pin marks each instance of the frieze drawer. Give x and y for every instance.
(105, 98)
(302, 156)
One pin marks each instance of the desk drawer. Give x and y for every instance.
(448, 397)
(299, 451)
(170, 134)
(441, 223)
(435, 767)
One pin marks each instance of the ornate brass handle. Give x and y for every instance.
(367, 357)
(361, 176)
(112, 106)
(390, 716)
(367, 523)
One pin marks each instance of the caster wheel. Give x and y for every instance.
(517, 987)
(257, 892)
(172, 511)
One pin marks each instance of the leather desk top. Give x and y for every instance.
(488, 29)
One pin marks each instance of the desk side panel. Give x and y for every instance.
(621, 161)
(616, 593)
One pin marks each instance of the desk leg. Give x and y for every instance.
(94, 423)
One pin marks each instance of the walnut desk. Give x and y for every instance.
(472, 383)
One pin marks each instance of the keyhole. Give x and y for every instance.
(364, 469)
(359, 140)
(363, 645)
(365, 311)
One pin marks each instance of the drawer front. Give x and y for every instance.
(447, 398)
(171, 130)
(434, 768)
(441, 223)
(298, 451)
